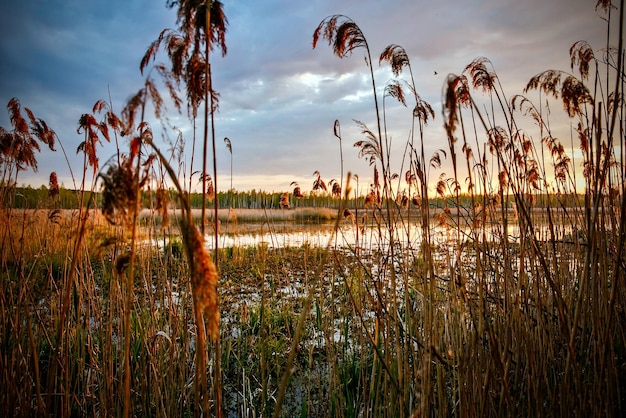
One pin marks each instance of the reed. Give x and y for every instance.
(496, 292)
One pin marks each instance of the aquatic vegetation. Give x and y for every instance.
(496, 290)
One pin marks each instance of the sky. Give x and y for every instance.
(279, 97)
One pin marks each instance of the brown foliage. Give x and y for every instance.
(574, 94)
(482, 78)
(336, 188)
(53, 186)
(92, 129)
(204, 278)
(19, 145)
(318, 183)
(119, 191)
(394, 89)
(397, 58)
(341, 33)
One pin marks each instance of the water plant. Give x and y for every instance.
(495, 289)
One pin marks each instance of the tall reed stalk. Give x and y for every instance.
(495, 289)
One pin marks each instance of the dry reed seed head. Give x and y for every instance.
(482, 78)
(121, 263)
(404, 201)
(457, 94)
(423, 111)
(336, 190)
(17, 120)
(341, 33)
(534, 176)
(210, 191)
(119, 197)
(53, 190)
(54, 216)
(497, 139)
(605, 5)
(583, 137)
(284, 200)
(574, 95)
(443, 218)
(41, 130)
(397, 58)
(348, 37)
(435, 160)
(6, 139)
(467, 150)
(204, 279)
(394, 89)
(318, 183)
(548, 81)
(615, 101)
(503, 180)
(441, 187)
(376, 178)
(581, 53)
(561, 169)
(232, 215)
(19, 145)
(88, 124)
(337, 129)
(129, 112)
(162, 203)
(114, 122)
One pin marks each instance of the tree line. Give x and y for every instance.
(28, 197)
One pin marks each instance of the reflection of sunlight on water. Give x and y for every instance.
(407, 235)
(317, 238)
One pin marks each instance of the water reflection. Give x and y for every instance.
(280, 235)
(290, 234)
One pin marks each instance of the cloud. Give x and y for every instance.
(279, 96)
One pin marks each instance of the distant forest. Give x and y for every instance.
(27, 197)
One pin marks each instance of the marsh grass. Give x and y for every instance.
(509, 302)
(345, 360)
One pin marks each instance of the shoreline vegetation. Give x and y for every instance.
(262, 291)
(243, 220)
(437, 312)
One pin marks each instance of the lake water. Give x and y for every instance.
(408, 235)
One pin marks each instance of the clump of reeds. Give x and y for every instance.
(507, 303)
(491, 319)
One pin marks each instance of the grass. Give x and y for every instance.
(509, 301)
(468, 340)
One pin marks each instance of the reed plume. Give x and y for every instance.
(297, 192)
(204, 277)
(318, 183)
(335, 188)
